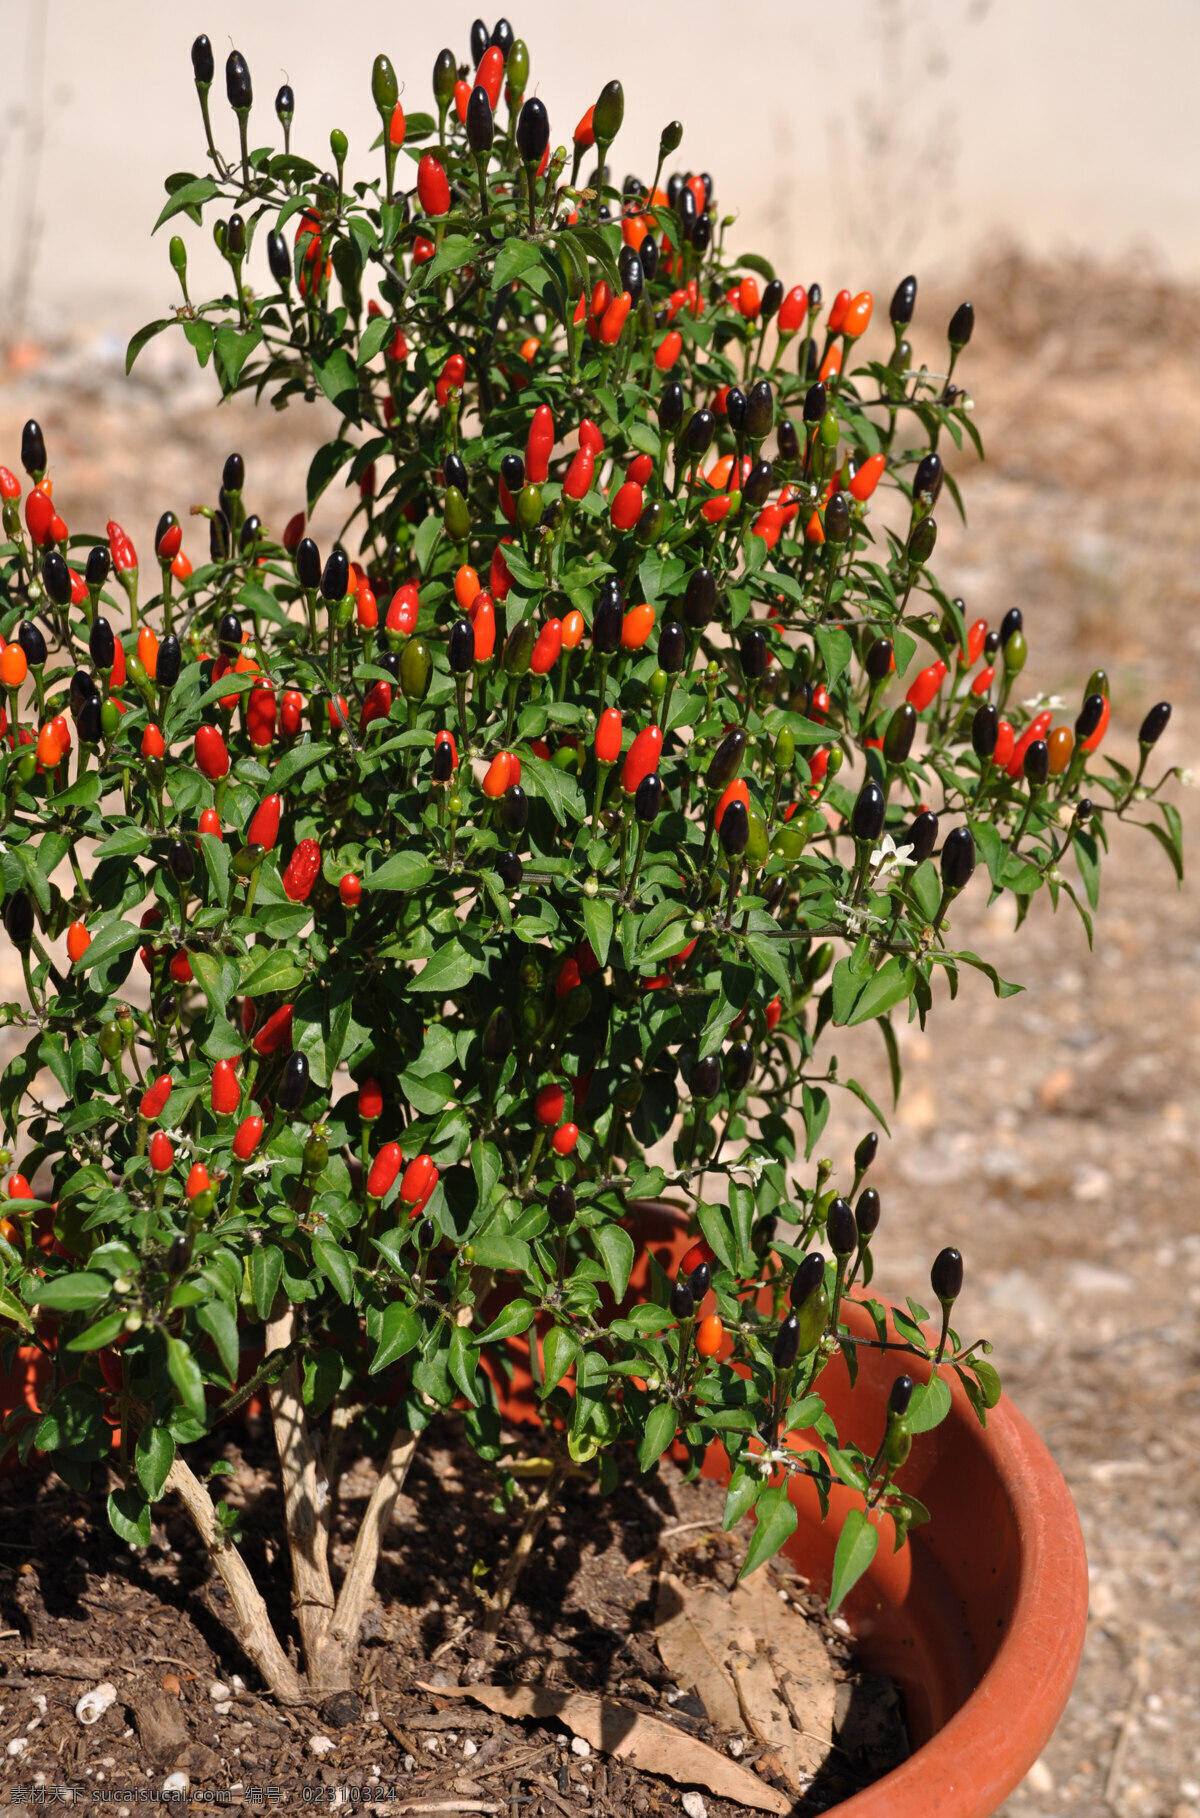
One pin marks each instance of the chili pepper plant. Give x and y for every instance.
(397, 917)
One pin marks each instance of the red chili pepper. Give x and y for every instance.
(453, 378)
(636, 627)
(608, 736)
(701, 1252)
(548, 648)
(792, 311)
(614, 319)
(366, 608)
(585, 132)
(260, 716)
(39, 515)
(292, 712)
(247, 1137)
(10, 486)
(733, 792)
(384, 1170)
(626, 507)
(565, 1139)
(302, 871)
(466, 586)
(539, 445)
(490, 73)
(926, 686)
(641, 760)
(78, 941)
(769, 525)
(976, 634)
(749, 299)
(1090, 744)
(432, 186)
(397, 127)
(423, 250)
(831, 364)
(376, 706)
(483, 618)
(568, 977)
(983, 680)
(180, 968)
(668, 350)
(155, 1097)
(819, 711)
(1005, 741)
(350, 891)
(294, 531)
(124, 555)
(773, 1013)
(590, 437)
(212, 758)
(370, 1100)
(818, 767)
(549, 1105)
(579, 475)
(640, 469)
(153, 743)
(420, 1177)
(264, 823)
(710, 1336)
(573, 629)
(499, 774)
(226, 1094)
(857, 318)
(162, 1152)
(868, 477)
(19, 1187)
(499, 578)
(169, 543)
(462, 94)
(404, 610)
(197, 1181)
(1036, 729)
(838, 310)
(276, 1032)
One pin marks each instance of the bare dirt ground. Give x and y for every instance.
(1054, 1137)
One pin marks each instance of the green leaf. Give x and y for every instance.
(276, 971)
(337, 1265)
(402, 871)
(657, 1434)
(774, 1525)
(462, 1361)
(428, 1093)
(515, 257)
(559, 1351)
(510, 1322)
(69, 1293)
(598, 925)
(215, 1318)
(448, 971)
(74, 1423)
(455, 251)
(324, 465)
(837, 650)
(322, 1379)
(153, 1457)
(495, 1251)
(929, 1406)
(233, 350)
(855, 1551)
(141, 338)
(129, 1517)
(338, 379)
(885, 988)
(745, 1488)
(110, 941)
(184, 1372)
(399, 1331)
(614, 1247)
(190, 195)
(266, 1268)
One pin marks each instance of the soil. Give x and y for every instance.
(79, 1607)
(1054, 1137)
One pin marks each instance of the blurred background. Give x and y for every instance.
(1043, 161)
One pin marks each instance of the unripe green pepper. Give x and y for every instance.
(609, 112)
(651, 524)
(456, 517)
(316, 1154)
(658, 684)
(1097, 683)
(204, 1205)
(516, 68)
(577, 1005)
(898, 1444)
(901, 731)
(339, 145)
(1015, 653)
(416, 669)
(110, 719)
(385, 90)
(111, 1042)
(27, 766)
(813, 1315)
(518, 647)
(756, 845)
(789, 840)
(529, 507)
(785, 750)
(921, 542)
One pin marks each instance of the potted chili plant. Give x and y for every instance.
(507, 865)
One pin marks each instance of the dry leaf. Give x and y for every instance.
(645, 1742)
(755, 1664)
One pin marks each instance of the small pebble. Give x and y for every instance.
(176, 1783)
(694, 1806)
(320, 1745)
(218, 1692)
(38, 1701)
(409, 1764)
(470, 1748)
(580, 1745)
(736, 1747)
(18, 1745)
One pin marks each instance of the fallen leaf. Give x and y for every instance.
(755, 1664)
(645, 1742)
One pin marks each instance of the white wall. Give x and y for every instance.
(860, 138)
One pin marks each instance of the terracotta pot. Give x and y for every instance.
(980, 1618)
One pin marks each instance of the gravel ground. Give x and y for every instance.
(1054, 1137)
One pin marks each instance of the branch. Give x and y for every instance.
(500, 1599)
(254, 1630)
(356, 1588)
(305, 1501)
